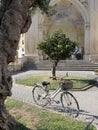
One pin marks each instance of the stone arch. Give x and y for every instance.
(79, 5)
(82, 8)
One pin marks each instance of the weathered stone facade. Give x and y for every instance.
(77, 18)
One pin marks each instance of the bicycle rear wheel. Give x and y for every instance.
(39, 95)
(70, 104)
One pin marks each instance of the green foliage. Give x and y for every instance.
(43, 5)
(58, 46)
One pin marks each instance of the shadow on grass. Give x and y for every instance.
(21, 127)
(85, 81)
(82, 81)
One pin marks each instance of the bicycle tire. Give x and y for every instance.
(39, 95)
(70, 104)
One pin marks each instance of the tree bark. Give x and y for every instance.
(54, 69)
(14, 20)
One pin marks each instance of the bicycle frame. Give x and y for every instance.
(45, 97)
(54, 94)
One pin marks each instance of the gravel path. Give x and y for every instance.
(88, 100)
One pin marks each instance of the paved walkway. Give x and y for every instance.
(88, 100)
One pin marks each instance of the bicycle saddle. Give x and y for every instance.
(45, 83)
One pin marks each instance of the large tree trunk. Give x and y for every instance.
(14, 20)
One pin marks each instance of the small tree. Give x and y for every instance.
(57, 47)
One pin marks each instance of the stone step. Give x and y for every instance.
(66, 62)
(62, 65)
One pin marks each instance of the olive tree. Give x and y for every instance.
(15, 19)
(57, 47)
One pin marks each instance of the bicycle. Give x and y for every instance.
(42, 96)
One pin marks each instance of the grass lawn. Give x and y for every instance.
(33, 118)
(78, 82)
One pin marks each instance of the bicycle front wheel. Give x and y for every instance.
(70, 104)
(39, 95)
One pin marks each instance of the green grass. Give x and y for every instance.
(12, 104)
(33, 118)
(78, 82)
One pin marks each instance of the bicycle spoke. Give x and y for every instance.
(70, 104)
(39, 96)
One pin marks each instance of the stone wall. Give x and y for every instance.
(77, 18)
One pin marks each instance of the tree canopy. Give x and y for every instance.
(43, 5)
(57, 47)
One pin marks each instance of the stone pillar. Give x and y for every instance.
(87, 41)
(31, 40)
(93, 13)
(40, 33)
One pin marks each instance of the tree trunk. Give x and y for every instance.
(14, 20)
(54, 70)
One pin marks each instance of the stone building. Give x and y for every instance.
(77, 18)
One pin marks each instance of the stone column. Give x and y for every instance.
(40, 33)
(93, 14)
(86, 41)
